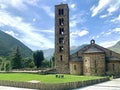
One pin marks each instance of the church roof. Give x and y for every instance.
(93, 48)
(113, 59)
(76, 59)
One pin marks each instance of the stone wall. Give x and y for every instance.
(113, 67)
(60, 86)
(94, 64)
(76, 68)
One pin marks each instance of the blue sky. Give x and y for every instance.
(32, 21)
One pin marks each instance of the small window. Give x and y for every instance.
(61, 21)
(113, 67)
(75, 67)
(61, 48)
(61, 40)
(61, 58)
(60, 11)
(61, 31)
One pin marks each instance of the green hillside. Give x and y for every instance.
(116, 47)
(8, 44)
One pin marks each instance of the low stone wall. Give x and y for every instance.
(60, 86)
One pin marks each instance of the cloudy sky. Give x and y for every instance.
(32, 21)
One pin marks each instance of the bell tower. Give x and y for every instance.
(62, 38)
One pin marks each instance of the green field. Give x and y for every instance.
(44, 78)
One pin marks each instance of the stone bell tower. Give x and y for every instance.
(62, 38)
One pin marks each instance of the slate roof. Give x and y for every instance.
(76, 59)
(113, 59)
(93, 49)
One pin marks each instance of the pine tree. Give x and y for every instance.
(38, 58)
(16, 60)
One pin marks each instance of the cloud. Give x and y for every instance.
(107, 44)
(12, 33)
(117, 19)
(101, 5)
(107, 33)
(114, 6)
(77, 19)
(109, 5)
(18, 4)
(79, 33)
(48, 10)
(3, 6)
(72, 6)
(105, 15)
(116, 30)
(28, 33)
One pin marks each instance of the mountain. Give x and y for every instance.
(116, 47)
(49, 52)
(8, 45)
(74, 49)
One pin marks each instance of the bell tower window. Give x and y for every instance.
(61, 40)
(61, 31)
(61, 21)
(61, 12)
(61, 48)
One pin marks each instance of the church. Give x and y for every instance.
(92, 59)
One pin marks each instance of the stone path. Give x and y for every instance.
(13, 88)
(109, 85)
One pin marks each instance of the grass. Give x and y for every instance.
(44, 78)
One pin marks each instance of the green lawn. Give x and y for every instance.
(44, 78)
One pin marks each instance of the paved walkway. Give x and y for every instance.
(109, 85)
(13, 88)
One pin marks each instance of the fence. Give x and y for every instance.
(58, 86)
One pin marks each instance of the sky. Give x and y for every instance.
(32, 21)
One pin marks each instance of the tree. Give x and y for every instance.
(52, 61)
(45, 64)
(5, 65)
(38, 57)
(16, 60)
(28, 63)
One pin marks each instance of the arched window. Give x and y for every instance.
(60, 11)
(61, 31)
(61, 58)
(75, 68)
(61, 40)
(61, 21)
(61, 48)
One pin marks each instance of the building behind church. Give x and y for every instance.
(92, 59)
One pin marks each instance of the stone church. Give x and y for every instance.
(92, 59)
